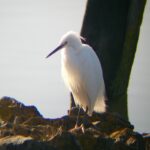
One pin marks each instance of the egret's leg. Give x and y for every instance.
(86, 110)
(76, 125)
(85, 118)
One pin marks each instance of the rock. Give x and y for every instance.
(10, 109)
(65, 141)
(23, 127)
(23, 143)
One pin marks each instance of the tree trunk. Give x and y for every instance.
(112, 29)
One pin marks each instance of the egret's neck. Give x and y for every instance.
(70, 52)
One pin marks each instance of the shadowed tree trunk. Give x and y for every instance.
(112, 29)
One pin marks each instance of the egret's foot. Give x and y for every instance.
(82, 128)
(82, 121)
(78, 129)
(76, 126)
(85, 122)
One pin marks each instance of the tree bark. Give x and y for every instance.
(112, 29)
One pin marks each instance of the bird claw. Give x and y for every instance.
(78, 128)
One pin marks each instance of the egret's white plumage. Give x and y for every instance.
(82, 73)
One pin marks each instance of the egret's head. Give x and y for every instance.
(70, 39)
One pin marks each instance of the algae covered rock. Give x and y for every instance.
(10, 109)
(23, 127)
(23, 143)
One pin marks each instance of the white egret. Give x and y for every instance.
(82, 73)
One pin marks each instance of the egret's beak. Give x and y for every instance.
(56, 49)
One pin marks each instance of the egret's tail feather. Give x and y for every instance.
(100, 105)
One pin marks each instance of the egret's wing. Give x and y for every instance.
(72, 75)
(92, 78)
